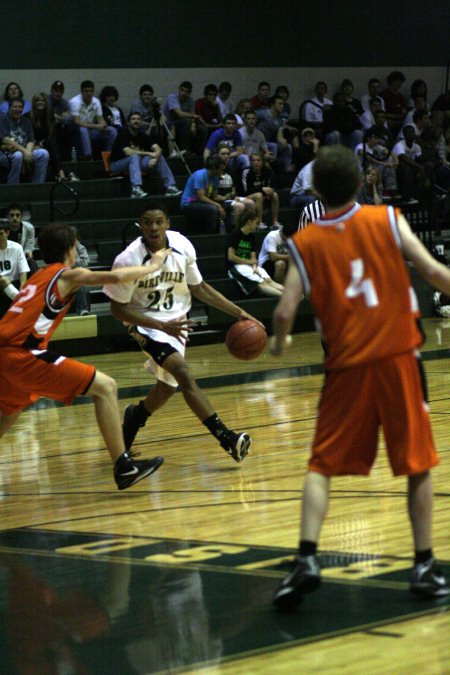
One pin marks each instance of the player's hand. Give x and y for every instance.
(178, 328)
(158, 259)
(244, 315)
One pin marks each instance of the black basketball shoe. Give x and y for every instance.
(427, 579)
(132, 422)
(304, 578)
(128, 471)
(237, 445)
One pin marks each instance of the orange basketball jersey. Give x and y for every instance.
(36, 311)
(352, 268)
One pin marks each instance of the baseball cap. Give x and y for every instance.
(58, 85)
(308, 130)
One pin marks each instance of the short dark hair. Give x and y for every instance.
(275, 98)
(373, 80)
(4, 225)
(146, 87)
(336, 175)
(108, 91)
(87, 84)
(210, 89)
(229, 116)
(225, 86)
(14, 206)
(14, 99)
(347, 82)
(289, 229)
(249, 213)
(395, 75)
(154, 206)
(214, 162)
(186, 85)
(263, 84)
(133, 112)
(54, 242)
(281, 88)
(250, 111)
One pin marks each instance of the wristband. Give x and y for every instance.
(11, 291)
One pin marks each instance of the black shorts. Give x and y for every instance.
(159, 351)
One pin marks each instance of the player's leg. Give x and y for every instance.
(136, 416)
(6, 422)
(275, 209)
(237, 445)
(127, 470)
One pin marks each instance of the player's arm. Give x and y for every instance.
(285, 311)
(431, 270)
(178, 328)
(207, 294)
(8, 288)
(71, 279)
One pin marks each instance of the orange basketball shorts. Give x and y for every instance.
(26, 375)
(356, 401)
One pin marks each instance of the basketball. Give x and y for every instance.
(246, 340)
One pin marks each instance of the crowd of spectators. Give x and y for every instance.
(400, 133)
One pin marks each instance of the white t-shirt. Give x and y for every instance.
(86, 112)
(163, 295)
(401, 148)
(314, 113)
(13, 261)
(273, 243)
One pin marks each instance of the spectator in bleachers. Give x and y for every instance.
(12, 91)
(262, 98)
(227, 193)
(13, 268)
(133, 151)
(442, 104)
(253, 140)
(208, 109)
(373, 89)
(353, 103)
(270, 122)
(340, 124)
(198, 201)
(308, 148)
(81, 260)
(311, 111)
(274, 255)
(242, 107)
(373, 154)
(420, 120)
(42, 119)
(443, 160)
(418, 88)
(17, 143)
(64, 126)
(369, 193)
(257, 186)
(179, 110)
(144, 105)
(22, 232)
(283, 92)
(410, 170)
(87, 114)
(419, 103)
(394, 101)
(241, 259)
(367, 119)
(112, 114)
(302, 190)
(229, 134)
(223, 99)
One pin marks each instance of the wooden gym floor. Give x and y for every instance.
(175, 575)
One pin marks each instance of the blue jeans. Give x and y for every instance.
(14, 161)
(135, 164)
(204, 215)
(106, 138)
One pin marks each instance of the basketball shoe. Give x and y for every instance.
(304, 578)
(237, 445)
(133, 420)
(128, 471)
(427, 579)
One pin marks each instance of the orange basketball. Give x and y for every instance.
(246, 340)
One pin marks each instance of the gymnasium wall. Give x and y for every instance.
(162, 43)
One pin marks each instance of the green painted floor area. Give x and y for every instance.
(110, 604)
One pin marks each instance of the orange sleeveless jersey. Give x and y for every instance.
(353, 270)
(36, 312)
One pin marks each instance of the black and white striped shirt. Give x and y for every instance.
(311, 213)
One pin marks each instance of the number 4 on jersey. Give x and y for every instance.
(360, 286)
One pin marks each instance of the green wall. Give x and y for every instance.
(39, 34)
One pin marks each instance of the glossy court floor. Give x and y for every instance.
(175, 575)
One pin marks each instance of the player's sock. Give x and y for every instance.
(215, 425)
(307, 547)
(141, 412)
(423, 556)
